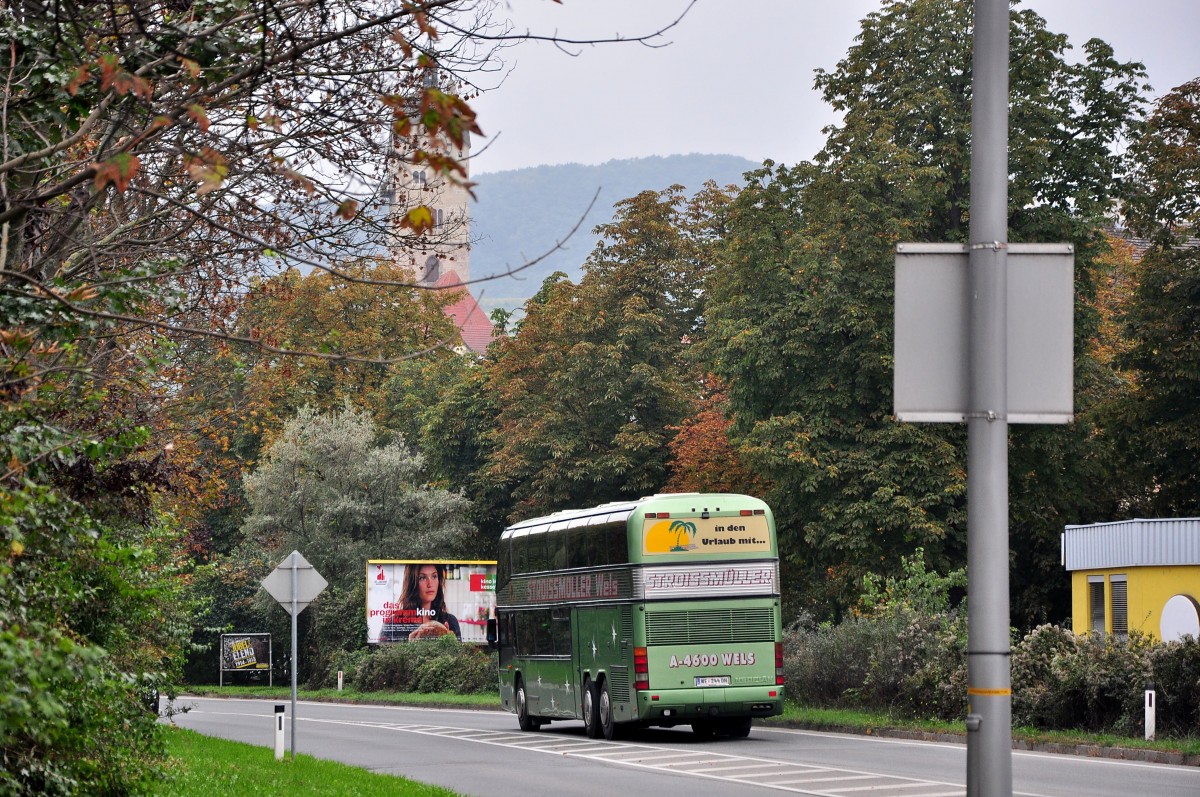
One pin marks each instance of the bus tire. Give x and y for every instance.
(704, 729)
(591, 716)
(608, 725)
(526, 722)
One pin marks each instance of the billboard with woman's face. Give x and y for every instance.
(409, 600)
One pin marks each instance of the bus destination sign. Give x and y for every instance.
(693, 535)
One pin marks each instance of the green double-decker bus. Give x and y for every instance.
(658, 611)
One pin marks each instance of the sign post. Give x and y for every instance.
(294, 583)
(984, 336)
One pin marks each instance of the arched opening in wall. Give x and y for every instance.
(1180, 618)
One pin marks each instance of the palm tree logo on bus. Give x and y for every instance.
(683, 530)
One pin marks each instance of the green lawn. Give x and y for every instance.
(203, 766)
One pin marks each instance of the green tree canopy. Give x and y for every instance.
(336, 489)
(593, 382)
(1162, 419)
(801, 311)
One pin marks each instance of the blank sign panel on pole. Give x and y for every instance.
(932, 379)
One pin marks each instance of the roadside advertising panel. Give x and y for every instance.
(245, 652)
(424, 599)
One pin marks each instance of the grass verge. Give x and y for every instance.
(481, 700)
(851, 721)
(203, 766)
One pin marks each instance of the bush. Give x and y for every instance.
(1037, 661)
(930, 667)
(827, 665)
(903, 650)
(350, 663)
(86, 623)
(1091, 683)
(898, 659)
(1176, 668)
(437, 665)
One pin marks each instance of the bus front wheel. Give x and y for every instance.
(526, 722)
(591, 717)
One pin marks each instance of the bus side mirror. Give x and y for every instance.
(491, 633)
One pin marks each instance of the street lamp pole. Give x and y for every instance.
(989, 684)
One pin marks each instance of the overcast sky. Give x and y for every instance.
(736, 79)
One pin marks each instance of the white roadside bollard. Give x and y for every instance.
(340, 674)
(1150, 711)
(278, 731)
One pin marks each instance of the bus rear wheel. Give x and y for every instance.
(608, 725)
(591, 716)
(526, 722)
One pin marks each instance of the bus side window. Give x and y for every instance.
(504, 565)
(506, 630)
(517, 555)
(536, 552)
(556, 549)
(543, 640)
(577, 551)
(616, 547)
(560, 630)
(525, 633)
(596, 556)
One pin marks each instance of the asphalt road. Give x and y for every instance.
(483, 753)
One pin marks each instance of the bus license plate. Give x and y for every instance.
(712, 680)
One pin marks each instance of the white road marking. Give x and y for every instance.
(707, 764)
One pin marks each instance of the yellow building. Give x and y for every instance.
(1135, 574)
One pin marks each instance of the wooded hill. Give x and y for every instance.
(521, 214)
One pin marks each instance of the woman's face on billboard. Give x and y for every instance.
(427, 584)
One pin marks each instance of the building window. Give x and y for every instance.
(1120, 606)
(1096, 604)
(438, 218)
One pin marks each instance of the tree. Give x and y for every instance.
(159, 161)
(93, 617)
(456, 434)
(161, 155)
(319, 312)
(1163, 320)
(593, 380)
(332, 486)
(335, 488)
(702, 458)
(801, 311)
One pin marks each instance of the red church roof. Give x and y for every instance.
(473, 325)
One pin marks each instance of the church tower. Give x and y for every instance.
(445, 249)
(440, 258)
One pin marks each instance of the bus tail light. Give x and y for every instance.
(641, 670)
(778, 663)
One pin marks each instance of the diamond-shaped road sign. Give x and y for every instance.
(309, 583)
